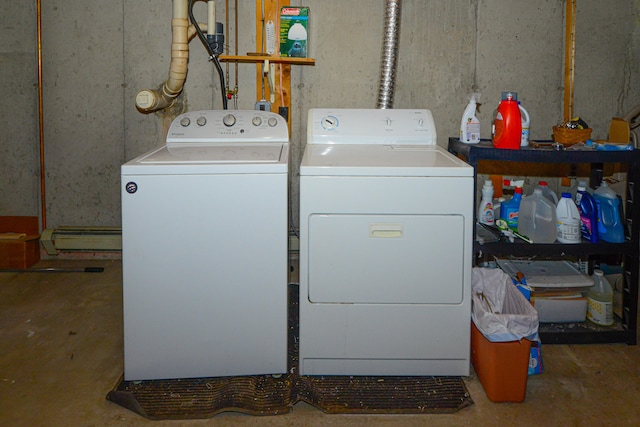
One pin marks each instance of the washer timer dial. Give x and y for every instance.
(229, 120)
(329, 122)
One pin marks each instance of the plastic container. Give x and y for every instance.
(502, 367)
(588, 210)
(526, 123)
(547, 192)
(497, 202)
(600, 300)
(485, 210)
(610, 227)
(568, 219)
(507, 125)
(470, 125)
(537, 218)
(509, 210)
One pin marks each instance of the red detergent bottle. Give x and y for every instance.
(507, 125)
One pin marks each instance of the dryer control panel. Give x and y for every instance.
(209, 126)
(371, 126)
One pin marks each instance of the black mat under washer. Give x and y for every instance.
(267, 395)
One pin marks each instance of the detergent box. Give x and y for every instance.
(294, 31)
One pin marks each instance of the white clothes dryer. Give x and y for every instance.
(386, 226)
(204, 236)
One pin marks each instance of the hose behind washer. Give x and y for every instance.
(212, 55)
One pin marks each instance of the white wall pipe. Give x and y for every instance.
(150, 100)
(211, 14)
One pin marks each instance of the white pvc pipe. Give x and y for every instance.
(211, 15)
(150, 100)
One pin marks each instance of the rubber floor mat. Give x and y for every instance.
(199, 398)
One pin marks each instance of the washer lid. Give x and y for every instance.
(212, 158)
(381, 160)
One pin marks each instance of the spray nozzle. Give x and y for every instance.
(513, 182)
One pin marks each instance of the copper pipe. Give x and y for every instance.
(569, 58)
(43, 199)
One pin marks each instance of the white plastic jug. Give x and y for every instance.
(485, 210)
(470, 125)
(537, 218)
(568, 218)
(526, 123)
(600, 300)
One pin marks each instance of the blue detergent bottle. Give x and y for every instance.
(609, 224)
(588, 213)
(509, 210)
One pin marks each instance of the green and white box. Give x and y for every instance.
(294, 31)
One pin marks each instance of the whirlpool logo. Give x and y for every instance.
(131, 187)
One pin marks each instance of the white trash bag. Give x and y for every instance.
(499, 310)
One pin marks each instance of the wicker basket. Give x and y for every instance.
(568, 137)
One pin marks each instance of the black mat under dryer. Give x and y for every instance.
(267, 395)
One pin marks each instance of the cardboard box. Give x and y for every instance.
(294, 31)
(19, 241)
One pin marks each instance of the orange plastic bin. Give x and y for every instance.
(502, 367)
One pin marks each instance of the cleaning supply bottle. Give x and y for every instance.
(526, 123)
(485, 210)
(470, 125)
(497, 202)
(509, 209)
(507, 125)
(600, 300)
(547, 192)
(537, 218)
(588, 213)
(568, 220)
(609, 224)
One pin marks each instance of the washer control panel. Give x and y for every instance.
(228, 125)
(373, 126)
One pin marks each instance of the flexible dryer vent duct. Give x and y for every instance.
(150, 100)
(389, 54)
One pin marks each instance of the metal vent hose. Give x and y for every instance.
(389, 54)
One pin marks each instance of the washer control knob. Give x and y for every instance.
(201, 121)
(229, 120)
(184, 122)
(257, 121)
(272, 121)
(329, 122)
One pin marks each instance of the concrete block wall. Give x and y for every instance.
(98, 55)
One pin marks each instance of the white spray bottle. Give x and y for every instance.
(470, 125)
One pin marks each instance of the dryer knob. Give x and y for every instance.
(272, 121)
(257, 121)
(229, 120)
(201, 121)
(184, 122)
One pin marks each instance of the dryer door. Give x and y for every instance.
(386, 259)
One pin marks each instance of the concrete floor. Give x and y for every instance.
(61, 352)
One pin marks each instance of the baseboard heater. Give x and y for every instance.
(81, 239)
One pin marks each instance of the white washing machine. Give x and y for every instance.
(386, 221)
(204, 237)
